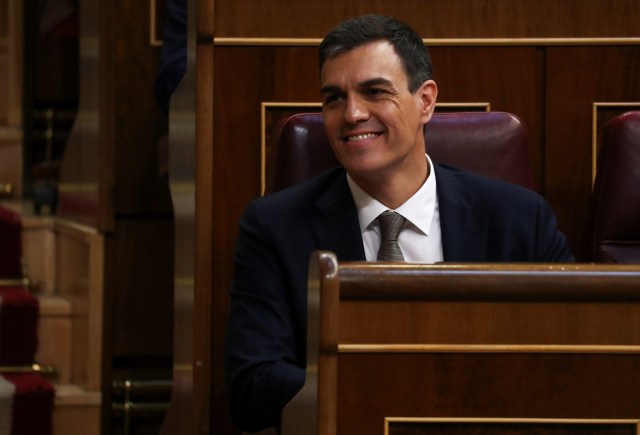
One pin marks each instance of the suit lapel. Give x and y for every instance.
(464, 229)
(337, 228)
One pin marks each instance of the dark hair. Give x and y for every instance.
(369, 28)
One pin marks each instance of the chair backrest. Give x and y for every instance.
(494, 144)
(615, 204)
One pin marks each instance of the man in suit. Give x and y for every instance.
(377, 94)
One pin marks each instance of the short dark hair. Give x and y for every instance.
(362, 30)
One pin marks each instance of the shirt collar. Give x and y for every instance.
(419, 209)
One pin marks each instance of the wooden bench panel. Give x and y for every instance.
(544, 342)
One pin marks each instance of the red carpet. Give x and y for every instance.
(32, 404)
(18, 326)
(26, 399)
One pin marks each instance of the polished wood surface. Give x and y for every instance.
(80, 280)
(112, 165)
(572, 91)
(11, 93)
(493, 342)
(208, 370)
(114, 180)
(510, 427)
(437, 19)
(189, 411)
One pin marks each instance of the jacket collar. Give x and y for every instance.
(337, 228)
(463, 227)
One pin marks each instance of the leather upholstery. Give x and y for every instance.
(616, 194)
(494, 144)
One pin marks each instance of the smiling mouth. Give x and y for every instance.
(364, 136)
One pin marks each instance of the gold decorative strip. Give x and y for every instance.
(153, 25)
(13, 282)
(488, 348)
(388, 421)
(227, 41)
(183, 187)
(622, 106)
(184, 281)
(485, 105)
(264, 107)
(183, 368)
(33, 368)
(510, 420)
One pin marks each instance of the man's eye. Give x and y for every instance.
(374, 92)
(331, 98)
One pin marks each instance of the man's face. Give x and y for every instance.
(374, 124)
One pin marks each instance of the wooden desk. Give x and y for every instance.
(452, 349)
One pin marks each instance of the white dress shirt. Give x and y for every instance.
(420, 240)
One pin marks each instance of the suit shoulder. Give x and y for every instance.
(483, 185)
(301, 194)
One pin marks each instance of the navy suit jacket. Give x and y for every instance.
(482, 220)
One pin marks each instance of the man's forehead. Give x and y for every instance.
(370, 64)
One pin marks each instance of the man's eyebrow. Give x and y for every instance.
(329, 89)
(377, 81)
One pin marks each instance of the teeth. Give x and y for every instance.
(362, 136)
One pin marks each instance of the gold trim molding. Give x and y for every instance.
(230, 41)
(47, 370)
(153, 25)
(487, 348)
(594, 129)
(25, 282)
(264, 106)
(388, 421)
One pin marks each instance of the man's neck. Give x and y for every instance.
(395, 190)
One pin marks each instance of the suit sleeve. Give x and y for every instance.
(263, 371)
(551, 244)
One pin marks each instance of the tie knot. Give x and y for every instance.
(391, 224)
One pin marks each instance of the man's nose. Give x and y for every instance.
(356, 111)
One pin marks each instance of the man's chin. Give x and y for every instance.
(363, 170)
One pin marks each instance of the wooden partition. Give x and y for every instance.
(459, 349)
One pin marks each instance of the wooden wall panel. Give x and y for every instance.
(113, 180)
(145, 275)
(244, 77)
(434, 18)
(576, 78)
(509, 78)
(112, 163)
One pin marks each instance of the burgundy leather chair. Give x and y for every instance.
(615, 204)
(494, 144)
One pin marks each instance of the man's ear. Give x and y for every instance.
(428, 94)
